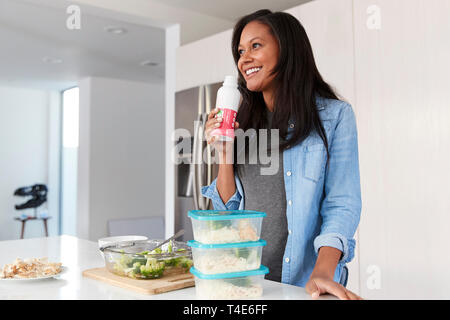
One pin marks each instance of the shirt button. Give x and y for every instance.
(289, 231)
(290, 202)
(288, 173)
(287, 260)
(291, 125)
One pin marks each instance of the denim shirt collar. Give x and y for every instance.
(320, 104)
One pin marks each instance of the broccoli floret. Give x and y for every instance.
(142, 260)
(152, 270)
(125, 261)
(137, 267)
(186, 263)
(172, 262)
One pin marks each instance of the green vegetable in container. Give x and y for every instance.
(242, 252)
(137, 267)
(144, 266)
(142, 260)
(183, 262)
(186, 263)
(218, 224)
(153, 269)
(125, 261)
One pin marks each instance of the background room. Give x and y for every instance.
(82, 112)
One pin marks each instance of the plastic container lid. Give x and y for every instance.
(196, 244)
(224, 214)
(262, 270)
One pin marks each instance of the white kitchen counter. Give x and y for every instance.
(79, 255)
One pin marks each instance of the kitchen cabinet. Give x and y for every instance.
(204, 61)
(328, 24)
(402, 94)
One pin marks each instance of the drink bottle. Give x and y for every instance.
(228, 98)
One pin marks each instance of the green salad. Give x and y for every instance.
(146, 266)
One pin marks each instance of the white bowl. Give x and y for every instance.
(102, 242)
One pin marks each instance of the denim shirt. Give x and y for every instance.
(323, 202)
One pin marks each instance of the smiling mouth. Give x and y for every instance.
(251, 72)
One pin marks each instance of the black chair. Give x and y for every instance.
(38, 193)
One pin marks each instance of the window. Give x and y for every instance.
(70, 118)
(69, 161)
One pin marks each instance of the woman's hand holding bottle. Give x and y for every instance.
(224, 149)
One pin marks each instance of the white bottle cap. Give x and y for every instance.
(230, 81)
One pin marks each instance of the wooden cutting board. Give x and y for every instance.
(151, 286)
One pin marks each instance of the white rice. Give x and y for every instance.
(221, 261)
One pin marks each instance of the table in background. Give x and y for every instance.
(24, 220)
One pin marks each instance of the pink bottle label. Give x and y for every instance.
(226, 128)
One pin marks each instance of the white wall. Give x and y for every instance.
(402, 93)
(29, 145)
(121, 153)
(172, 43)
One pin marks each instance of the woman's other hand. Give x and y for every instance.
(318, 285)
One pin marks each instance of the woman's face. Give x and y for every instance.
(258, 50)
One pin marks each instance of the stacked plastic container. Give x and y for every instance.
(227, 251)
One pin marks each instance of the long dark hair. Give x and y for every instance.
(297, 81)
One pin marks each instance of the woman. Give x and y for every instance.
(313, 202)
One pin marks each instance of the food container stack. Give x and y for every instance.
(226, 252)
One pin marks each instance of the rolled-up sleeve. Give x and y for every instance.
(341, 206)
(234, 203)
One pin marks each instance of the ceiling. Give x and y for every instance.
(224, 14)
(232, 10)
(32, 31)
(197, 18)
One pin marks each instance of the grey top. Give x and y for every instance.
(267, 193)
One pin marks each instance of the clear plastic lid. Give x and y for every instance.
(262, 270)
(196, 244)
(225, 214)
